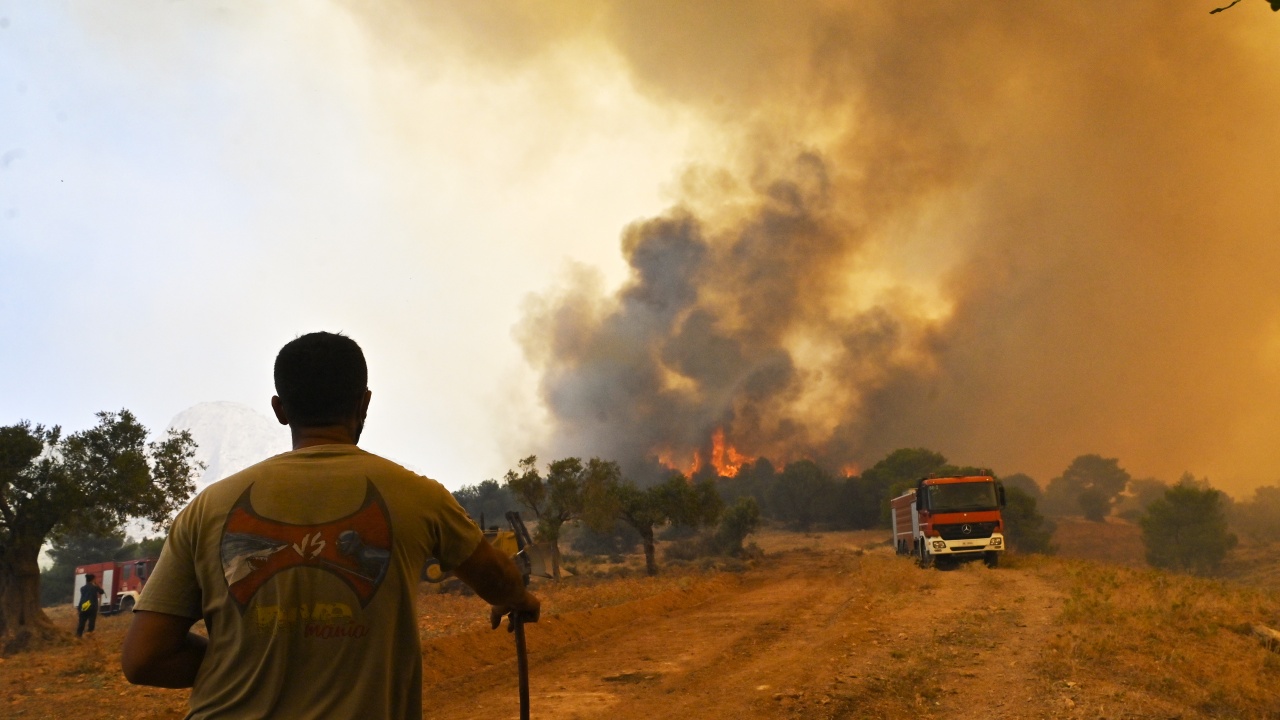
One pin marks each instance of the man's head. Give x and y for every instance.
(89, 577)
(321, 381)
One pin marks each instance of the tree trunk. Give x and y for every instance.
(22, 623)
(649, 564)
(555, 559)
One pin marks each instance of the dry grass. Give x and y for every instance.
(1116, 541)
(1171, 638)
(1146, 643)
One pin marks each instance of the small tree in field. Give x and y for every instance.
(1186, 530)
(737, 522)
(90, 482)
(562, 496)
(675, 501)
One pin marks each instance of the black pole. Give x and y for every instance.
(522, 664)
(515, 622)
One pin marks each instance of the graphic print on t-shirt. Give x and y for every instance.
(356, 548)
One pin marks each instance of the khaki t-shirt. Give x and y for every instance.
(305, 568)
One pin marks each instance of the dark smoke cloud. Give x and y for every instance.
(1014, 233)
(703, 337)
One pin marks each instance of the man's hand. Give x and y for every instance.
(528, 611)
(496, 579)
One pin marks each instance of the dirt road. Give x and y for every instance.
(828, 630)
(824, 626)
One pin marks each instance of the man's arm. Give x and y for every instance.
(161, 650)
(496, 579)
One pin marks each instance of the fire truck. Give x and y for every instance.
(950, 518)
(122, 581)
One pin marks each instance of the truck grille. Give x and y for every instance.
(956, 532)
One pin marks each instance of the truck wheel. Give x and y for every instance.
(431, 572)
(923, 558)
(126, 604)
(991, 558)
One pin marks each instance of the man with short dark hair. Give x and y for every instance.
(305, 566)
(90, 597)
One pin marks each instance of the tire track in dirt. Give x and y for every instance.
(831, 634)
(957, 643)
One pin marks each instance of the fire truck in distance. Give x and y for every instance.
(122, 580)
(950, 518)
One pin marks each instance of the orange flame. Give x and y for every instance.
(726, 460)
(668, 459)
(723, 457)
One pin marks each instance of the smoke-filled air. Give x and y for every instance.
(1012, 232)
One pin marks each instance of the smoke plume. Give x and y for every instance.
(1013, 233)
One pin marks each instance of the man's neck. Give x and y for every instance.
(304, 437)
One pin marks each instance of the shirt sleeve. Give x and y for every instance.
(174, 586)
(454, 534)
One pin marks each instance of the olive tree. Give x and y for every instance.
(677, 501)
(89, 482)
(562, 496)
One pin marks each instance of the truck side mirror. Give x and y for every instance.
(1000, 493)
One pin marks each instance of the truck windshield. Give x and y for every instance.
(957, 497)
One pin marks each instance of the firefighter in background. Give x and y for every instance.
(90, 596)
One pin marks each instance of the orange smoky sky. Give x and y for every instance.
(1010, 232)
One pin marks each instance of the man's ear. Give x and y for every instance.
(364, 403)
(277, 406)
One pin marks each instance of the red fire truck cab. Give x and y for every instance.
(122, 581)
(956, 518)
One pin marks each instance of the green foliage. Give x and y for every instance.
(570, 491)
(1258, 517)
(1138, 496)
(91, 481)
(1087, 473)
(527, 485)
(738, 521)
(88, 483)
(1026, 530)
(676, 501)
(149, 547)
(1094, 505)
(802, 496)
(805, 494)
(753, 479)
(1023, 482)
(619, 539)
(899, 470)
(1186, 530)
(489, 500)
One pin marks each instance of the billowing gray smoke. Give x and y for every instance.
(1011, 232)
(703, 338)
